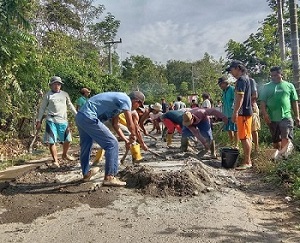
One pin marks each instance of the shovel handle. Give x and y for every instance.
(124, 156)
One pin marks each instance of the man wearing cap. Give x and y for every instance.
(196, 123)
(90, 122)
(242, 112)
(227, 101)
(55, 104)
(83, 98)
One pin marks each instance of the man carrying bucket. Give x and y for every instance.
(89, 121)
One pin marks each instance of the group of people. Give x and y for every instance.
(278, 104)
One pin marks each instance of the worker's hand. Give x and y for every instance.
(225, 120)
(38, 125)
(297, 121)
(132, 138)
(144, 147)
(234, 117)
(127, 144)
(267, 118)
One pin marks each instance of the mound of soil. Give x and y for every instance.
(188, 182)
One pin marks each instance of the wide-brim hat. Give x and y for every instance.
(156, 106)
(187, 119)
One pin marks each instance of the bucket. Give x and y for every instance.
(229, 157)
(136, 152)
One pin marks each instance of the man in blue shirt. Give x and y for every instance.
(90, 122)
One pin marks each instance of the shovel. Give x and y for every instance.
(157, 154)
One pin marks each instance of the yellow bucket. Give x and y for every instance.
(136, 152)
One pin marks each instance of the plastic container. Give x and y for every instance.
(229, 157)
(136, 152)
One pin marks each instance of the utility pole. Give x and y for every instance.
(193, 80)
(295, 43)
(280, 29)
(110, 43)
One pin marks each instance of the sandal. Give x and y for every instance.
(244, 167)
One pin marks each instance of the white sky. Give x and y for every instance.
(183, 29)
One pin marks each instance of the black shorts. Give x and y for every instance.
(282, 129)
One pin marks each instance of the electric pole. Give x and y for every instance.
(110, 43)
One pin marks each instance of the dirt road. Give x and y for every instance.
(51, 205)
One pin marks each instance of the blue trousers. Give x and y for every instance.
(204, 128)
(94, 130)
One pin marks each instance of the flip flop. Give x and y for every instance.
(243, 167)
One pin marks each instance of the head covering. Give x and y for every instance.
(137, 95)
(234, 64)
(156, 106)
(222, 80)
(55, 79)
(187, 119)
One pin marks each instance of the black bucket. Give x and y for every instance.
(229, 157)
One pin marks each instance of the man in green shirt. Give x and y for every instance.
(83, 98)
(278, 100)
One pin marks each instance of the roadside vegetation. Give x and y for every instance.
(40, 39)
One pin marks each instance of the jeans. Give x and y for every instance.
(204, 128)
(94, 130)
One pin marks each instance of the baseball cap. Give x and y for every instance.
(156, 106)
(234, 64)
(56, 79)
(221, 80)
(137, 95)
(187, 119)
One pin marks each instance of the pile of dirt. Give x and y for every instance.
(191, 181)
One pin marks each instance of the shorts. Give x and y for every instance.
(230, 126)
(244, 124)
(57, 132)
(282, 129)
(171, 126)
(255, 118)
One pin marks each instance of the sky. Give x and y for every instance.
(183, 29)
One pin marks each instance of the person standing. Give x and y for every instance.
(206, 101)
(242, 112)
(90, 122)
(194, 104)
(255, 127)
(179, 104)
(278, 99)
(55, 103)
(164, 105)
(228, 100)
(83, 98)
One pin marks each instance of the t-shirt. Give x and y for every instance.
(81, 101)
(174, 116)
(105, 106)
(179, 105)
(54, 105)
(242, 86)
(278, 97)
(206, 104)
(228, 100)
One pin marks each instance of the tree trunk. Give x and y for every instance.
(280, 29)
(294, 43)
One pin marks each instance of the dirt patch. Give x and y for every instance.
(38, 193)
(188, 182)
